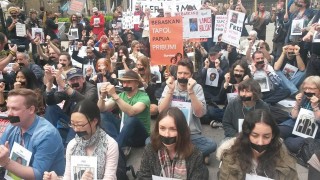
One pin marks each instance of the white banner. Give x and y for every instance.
(233, 29)
(196, 24)
(219, 25)
(180, 5)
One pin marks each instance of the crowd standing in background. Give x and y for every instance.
(98, 96)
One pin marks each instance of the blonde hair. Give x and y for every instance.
(311, 79)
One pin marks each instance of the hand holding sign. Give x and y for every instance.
(49, 175)
(88, 175)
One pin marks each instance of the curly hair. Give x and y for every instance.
(244, 65)
(240, 150)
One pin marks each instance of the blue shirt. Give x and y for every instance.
(45, 143)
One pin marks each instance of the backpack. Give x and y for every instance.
(309, 147)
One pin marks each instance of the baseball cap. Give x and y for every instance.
(95, 9)
(74, 72)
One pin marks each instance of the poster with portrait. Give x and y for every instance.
(37, 33)
(316, 37)
(212, 77)
(289, 71)
(305, 125)
(196, 24)
(297, 26)
(20, 155)
(185, 107)
(88, 67)
(96, 22)
(233, 29)
(80, 164)
(73, 34)
(262, 79)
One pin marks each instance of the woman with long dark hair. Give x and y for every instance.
(257, 151)
(90, 140)
(171, 153)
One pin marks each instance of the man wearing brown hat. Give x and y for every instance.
(72, 91)
(135, 107)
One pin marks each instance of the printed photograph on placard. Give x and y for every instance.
(296, 27)
(20, 155)
(289, 71)
(193, 24)
(73, 34)
(316, 36)
(262, 79)
(185, 107)
(305, 125)
(37, 33)
(234, 18)
(212, 77)
(80, 164)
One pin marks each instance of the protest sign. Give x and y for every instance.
(127, 20)
(233, 29)
(165, 39)
(220, 22)
(175, 5)
(196, 24)
(76, 6)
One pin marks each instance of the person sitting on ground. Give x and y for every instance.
(307, 98)
(249, 99)
(171, 153)
(149, 82)
(257, 151)
(290, 56)
(135, 107)
(269, 81)
(90, 140)
(72, 91)
(34, 133)
(238, 73)
(185, 89)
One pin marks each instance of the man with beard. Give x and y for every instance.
(290, 55)
(72, 91)
(54, 53)
(135, 107)
(262, 71)
(186, 89)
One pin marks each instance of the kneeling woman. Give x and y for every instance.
(257, 151)
(171, 153)
(90, 140)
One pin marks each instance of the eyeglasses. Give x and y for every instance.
(308, 88)
(77, 126)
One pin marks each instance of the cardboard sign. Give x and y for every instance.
(165, 39)
(76, 6)
(80, 164)
(196, 24)
(305, 125)
(233, 28)
(219, 25)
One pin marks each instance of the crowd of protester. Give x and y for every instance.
(98, 96)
